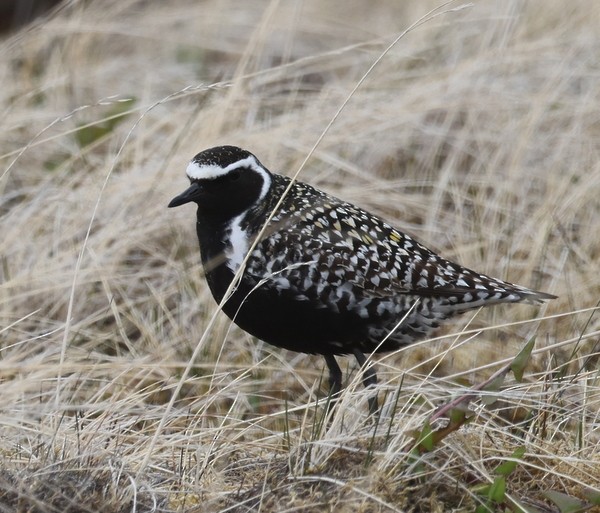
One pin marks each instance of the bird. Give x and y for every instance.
(318, 275)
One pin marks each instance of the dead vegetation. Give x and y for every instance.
(477, 132)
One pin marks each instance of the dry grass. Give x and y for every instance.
(478, 133)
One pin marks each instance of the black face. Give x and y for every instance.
(224, 197)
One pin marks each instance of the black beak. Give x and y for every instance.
(190, 194)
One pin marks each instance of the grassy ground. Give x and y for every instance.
(121, 389)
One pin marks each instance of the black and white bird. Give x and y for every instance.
(325, 277)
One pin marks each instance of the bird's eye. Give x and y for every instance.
(234, 175)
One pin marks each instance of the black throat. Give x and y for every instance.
(212, 237)
(214, 230)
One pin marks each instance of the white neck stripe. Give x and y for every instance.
(266, 180)
(238, 240)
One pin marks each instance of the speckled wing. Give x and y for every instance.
(337, 254)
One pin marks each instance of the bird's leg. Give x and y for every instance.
(369, 380)
(335, 378)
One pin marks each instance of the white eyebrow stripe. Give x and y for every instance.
(210, 171)
(195, 171)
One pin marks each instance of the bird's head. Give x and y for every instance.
(224, 182)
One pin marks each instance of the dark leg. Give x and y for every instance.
(335, 381)
(369, 380)
(335, 377)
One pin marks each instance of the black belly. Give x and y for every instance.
(279, 318)
(298, 325)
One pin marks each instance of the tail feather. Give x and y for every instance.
(534, 297)
(472, 297)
